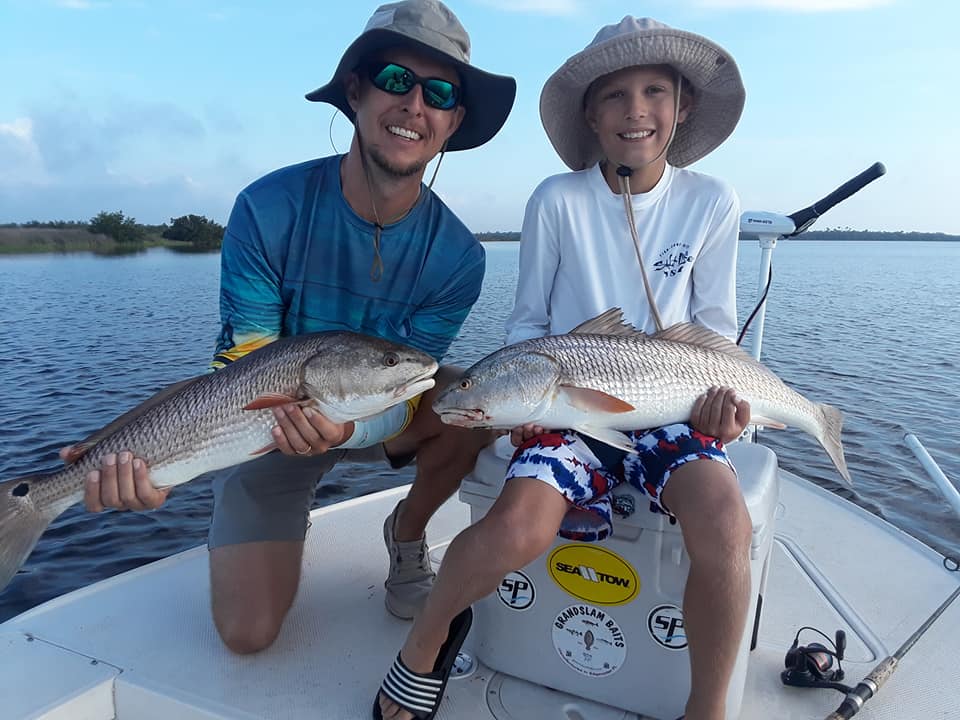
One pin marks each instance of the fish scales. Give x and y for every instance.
(663, 377)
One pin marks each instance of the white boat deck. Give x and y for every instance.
(141, 646)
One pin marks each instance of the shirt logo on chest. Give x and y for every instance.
(673, 260)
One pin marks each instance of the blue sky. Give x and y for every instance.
(160, 108)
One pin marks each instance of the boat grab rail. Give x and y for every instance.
(947, 488)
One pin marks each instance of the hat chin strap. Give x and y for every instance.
(623, 178)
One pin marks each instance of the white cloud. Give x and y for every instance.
(796, 5)
(68, 162)
(21, 128)
(20, 158)
(543, 7)
(75, 4)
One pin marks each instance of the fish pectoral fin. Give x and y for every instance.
(611, 437)
(265, 449)
(269, 400)
(595, 400)
(767, 422)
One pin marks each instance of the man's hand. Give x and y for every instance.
(306, 431)
(720, 414)
(121, 483)
(520, 434)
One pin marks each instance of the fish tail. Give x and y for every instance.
(831, 423)
(22, 522)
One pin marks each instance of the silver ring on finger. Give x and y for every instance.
(308, 451)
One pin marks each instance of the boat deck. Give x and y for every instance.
(142, 646)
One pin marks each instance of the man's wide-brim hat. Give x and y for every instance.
(718, 90)
(430, 27)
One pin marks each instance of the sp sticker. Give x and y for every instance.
(665, 623)
(516, 591)
(593, 574)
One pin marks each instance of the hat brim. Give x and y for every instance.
(487, 98)
(719, 94)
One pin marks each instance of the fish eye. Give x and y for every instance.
(465, 383)
(391, 359)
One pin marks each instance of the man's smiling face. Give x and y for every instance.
(402, 133)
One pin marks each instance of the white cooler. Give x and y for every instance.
(603, 620)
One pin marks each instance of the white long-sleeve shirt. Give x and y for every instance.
(577, 256)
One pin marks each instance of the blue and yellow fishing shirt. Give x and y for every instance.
(297, 259)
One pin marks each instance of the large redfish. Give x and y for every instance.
(604, 377)
(221, 419)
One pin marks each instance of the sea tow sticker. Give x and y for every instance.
(516, 591)
(593, 574)
(665, 623)
(589, 640)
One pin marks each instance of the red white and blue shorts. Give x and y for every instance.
(585, 471)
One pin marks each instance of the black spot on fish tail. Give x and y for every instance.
(21, 524)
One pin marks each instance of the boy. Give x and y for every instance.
(626, 114)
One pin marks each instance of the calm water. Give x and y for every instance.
(869, 327)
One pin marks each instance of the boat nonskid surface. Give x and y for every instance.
(142, 645)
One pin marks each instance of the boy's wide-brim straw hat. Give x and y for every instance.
(718, 91)
(429, 26)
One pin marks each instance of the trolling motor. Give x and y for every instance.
(768, 227)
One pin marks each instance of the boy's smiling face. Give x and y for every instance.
(631, 111)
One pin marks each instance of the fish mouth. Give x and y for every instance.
(463, 417)
(420, 384)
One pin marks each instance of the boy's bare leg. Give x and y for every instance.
(705, 497)
(519, 527)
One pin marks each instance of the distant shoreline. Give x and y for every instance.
(812, 235)
(33, 240)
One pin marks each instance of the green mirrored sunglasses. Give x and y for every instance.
(398, 80)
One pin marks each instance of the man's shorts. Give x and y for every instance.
(270, 498)
(567, 463)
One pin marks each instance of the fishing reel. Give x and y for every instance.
(815, 665)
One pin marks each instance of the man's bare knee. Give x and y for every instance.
(252, 587)
(245, 635)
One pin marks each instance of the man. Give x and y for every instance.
(351, 242)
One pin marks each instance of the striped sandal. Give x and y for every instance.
(421, 693)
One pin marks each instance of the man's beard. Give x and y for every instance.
(389, 168)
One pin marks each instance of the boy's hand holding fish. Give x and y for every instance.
(720, 413)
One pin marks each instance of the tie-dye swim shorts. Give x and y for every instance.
(566, 462)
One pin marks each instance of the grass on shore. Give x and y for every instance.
(17, 241)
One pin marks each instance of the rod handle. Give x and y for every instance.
(864, 690)
(806, 217)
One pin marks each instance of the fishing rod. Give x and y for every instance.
(868, 687)
(812, 665)
(768, 227)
